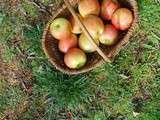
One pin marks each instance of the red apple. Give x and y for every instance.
(122, 18)
(75, 58)
(75, 27)
(109, 36)
(66, 44)
(94, 25)
(60, 28)
(108, 8)
(85, 45)
(87, 7)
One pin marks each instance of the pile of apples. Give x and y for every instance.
(103, 21)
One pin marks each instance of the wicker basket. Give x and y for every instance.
(50, 45)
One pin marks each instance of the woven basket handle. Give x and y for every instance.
(90, 38)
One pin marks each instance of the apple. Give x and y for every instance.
(122, 18)
(66, 44)
(75, 27)
(87, 7)
(60, 28)
(108, 8)
(109, 36)
(75, 58)
(94, 25)
(85, 45)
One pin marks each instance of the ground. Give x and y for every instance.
(32, 89)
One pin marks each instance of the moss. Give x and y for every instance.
(107, 92)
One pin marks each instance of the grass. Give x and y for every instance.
(127, 89)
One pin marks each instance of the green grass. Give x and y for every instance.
(112, 91)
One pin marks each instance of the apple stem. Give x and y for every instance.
(90, 38)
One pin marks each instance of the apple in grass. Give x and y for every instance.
(60, 28)
(85, 44)
(66, 44)
(122, 18)
(75, 58)
(87, 7)
(109, 36)
(75, 27)
(94, 25)
(108, 8)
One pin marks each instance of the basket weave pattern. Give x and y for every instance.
(50, 45)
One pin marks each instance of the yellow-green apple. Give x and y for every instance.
(108, 8)
(66, 44)
(60, 28)
(109, 36)
(75, 27)
(75, 58)
(85, 45)
(87, 7)
(122, 18)
(94, 25)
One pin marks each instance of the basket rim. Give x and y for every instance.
(113, 52)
